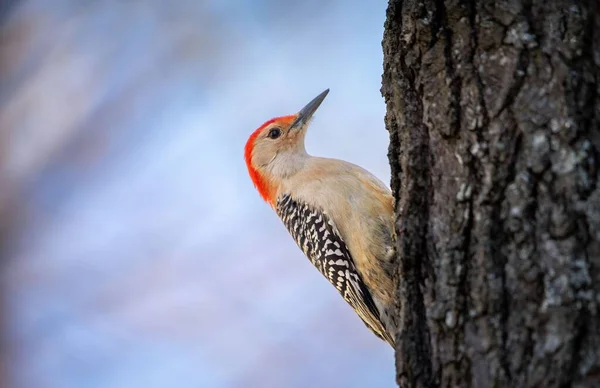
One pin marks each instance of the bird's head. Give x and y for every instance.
(276, 149)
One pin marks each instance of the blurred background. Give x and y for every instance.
(135, 250)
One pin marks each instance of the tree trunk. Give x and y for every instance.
(493, 109)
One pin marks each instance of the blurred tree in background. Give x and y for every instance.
(493, 108)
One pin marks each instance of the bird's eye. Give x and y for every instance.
(274, 133)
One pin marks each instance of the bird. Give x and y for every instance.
(340, 215)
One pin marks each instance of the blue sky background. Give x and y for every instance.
(138, 253)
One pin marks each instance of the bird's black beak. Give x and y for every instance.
(307, 112)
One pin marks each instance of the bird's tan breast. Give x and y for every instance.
(361, 208)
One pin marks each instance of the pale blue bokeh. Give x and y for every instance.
(141, 255)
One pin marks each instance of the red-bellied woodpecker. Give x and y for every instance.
(339, 214)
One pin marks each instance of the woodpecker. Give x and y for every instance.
(340, 215)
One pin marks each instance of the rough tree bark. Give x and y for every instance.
(493, 109)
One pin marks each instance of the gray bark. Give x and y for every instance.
(493, 110)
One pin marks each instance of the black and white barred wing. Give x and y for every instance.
(321, 242)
